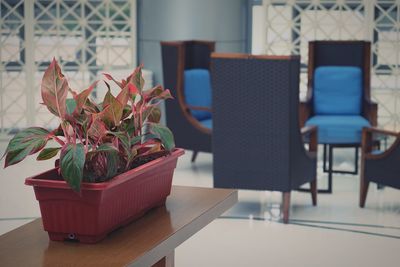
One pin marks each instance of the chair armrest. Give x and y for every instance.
(367, 141)
(370, 110)
(381, 131)
(304, 111)
(312, 131)
(193, 121)
(198, 108)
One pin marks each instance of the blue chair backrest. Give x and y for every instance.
(197, 90)
(337, 90)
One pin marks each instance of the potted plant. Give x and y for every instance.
(116, 161)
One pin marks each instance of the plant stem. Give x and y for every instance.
(65, 132)
(74, 129)
(140, 118)
(87, 142)
(58, 140)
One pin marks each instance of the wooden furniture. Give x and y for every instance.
(257, 142)
(177, 57)
(338, 54)
(149, 241)
(379, 166)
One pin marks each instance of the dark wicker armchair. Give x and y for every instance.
(381, 167)
(257, 143)
(187, 117)
(338, 97)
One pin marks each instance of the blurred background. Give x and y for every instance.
(89, 37)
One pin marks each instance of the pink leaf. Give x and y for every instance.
(112, 110)
(133, 89)
(108, 76)
(136, 78)
(97, 129)
(124, 95)
(82, 97)
(54, 89)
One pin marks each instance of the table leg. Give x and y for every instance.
(167, 261)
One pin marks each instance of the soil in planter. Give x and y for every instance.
(136, 163)
(143, 160)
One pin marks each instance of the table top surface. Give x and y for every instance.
(141, 243)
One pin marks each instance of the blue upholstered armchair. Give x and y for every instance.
(338, 98)
(186, 73)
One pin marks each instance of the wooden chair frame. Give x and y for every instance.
(189, 132)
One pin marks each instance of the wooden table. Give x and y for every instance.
(149, 241)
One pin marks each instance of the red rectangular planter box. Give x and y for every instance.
(102, 207)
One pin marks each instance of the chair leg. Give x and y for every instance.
(363, 191)
(285, 206)
(325, 169)
(356, 162)
(194, 155)
(330, 170)
(314, 190)
(364, 184)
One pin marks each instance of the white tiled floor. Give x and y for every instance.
(335, 233)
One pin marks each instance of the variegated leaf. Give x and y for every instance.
(54, 89)
(113, 110)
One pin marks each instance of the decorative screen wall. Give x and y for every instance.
(87, 37)
(286, 27)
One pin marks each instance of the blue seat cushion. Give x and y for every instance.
(197, 90)
(339, 129)
(376, 152)
(207, 123)
(337, 90)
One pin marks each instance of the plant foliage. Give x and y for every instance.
(96, 140)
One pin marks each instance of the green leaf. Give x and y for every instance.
(136, 140)
(54, 89)
(152, 114)
(164, 134)
(107, 147)
(16, 156)
(72, 161)
(112, 164)
(48, 153)
(126, 112)
(147, 136)
(71, 105)
(24, 143)
(123, 138)
(128, 126)
(112, 110)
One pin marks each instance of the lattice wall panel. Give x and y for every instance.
(12, 84)
(87, 37)
(290, 25)
(386, 62)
